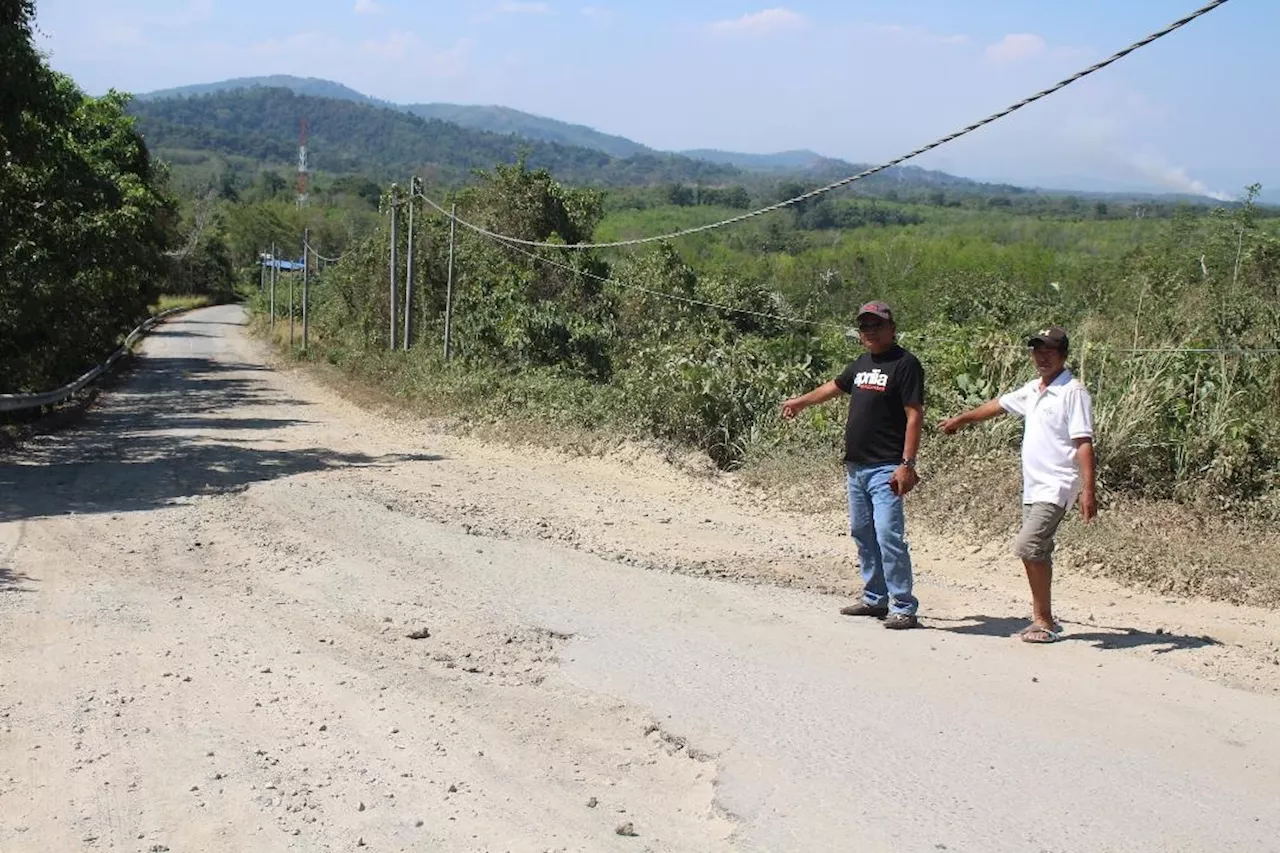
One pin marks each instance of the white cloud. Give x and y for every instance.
(1016, 47)
(513, 7)
(368, 7)
(759, 23)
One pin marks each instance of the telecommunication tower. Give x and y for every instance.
(303, 174)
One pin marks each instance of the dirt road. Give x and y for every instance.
(239, 613)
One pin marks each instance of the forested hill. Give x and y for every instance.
(313, 86)
(495, 119)
(347, 136)
(506, 120)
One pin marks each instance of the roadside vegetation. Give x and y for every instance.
(1173, 317)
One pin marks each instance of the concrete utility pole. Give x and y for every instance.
(273, 286)
(395, 234)
(291, 278)
(448, 292)
(408, 273)
(306, 277)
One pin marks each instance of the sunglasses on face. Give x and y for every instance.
(870, 327)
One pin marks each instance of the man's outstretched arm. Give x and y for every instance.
(821, 394)
(985, 412)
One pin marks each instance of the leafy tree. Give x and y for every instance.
(359, 187)
(84, 218)
(514, 305)
(271, 184)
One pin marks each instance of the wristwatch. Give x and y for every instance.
(910, 463)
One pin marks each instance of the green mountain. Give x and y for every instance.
(906, 178)
(493, 119)
(346, 136)
(784, 161)
(570, 150)
(507, 120)
(646, 165)
(503, 120)
(803, 165)
(313, 86)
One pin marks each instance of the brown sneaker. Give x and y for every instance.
(864, 609)
(902, 621)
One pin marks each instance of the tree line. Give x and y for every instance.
(85, 218)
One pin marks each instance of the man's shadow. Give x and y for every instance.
(1101, 636)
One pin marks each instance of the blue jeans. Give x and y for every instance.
(877, 523)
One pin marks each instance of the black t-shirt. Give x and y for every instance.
(879, 386)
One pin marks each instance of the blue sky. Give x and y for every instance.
(863, 80)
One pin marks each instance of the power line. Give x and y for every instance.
(1061, 84)
(309, 248)
(1195, 351)
(1106, 348)
(1238, 351)
(663, 294)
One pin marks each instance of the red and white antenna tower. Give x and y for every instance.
(303, 174)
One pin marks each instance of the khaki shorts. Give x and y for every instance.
(1039, 523)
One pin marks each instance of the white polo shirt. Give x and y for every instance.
(1054, 417)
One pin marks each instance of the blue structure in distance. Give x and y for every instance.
(279, 263)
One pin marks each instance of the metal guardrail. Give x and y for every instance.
(20, 402)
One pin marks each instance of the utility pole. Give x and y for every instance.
(448, 293)
(273, 287)
(395, 234)
(291, 280)
(408, 274)
(306, 270)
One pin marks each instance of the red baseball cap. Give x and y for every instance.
(877, 309)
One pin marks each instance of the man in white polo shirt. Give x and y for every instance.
(1057, 464)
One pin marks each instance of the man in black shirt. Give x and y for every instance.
(886, 410)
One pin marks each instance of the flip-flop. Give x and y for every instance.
(1040, 634)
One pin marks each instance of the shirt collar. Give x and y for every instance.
(1059, 381)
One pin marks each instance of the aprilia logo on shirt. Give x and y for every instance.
(871, 380)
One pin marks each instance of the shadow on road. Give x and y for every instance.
(188, 321)
(178, 332)
(11, 581)
(161, 438)
(1101, 636)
